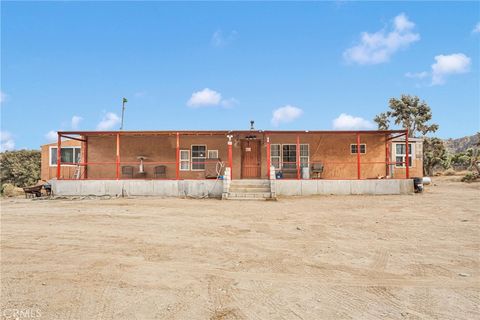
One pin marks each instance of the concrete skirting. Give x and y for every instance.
(339, 187)
(164, 188)
(214, 189)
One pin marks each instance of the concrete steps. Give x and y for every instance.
(250, 190)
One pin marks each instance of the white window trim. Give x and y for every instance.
(280, 162)
(191, 156)
(55, 147)
(354, 144)
(279, 156)
(185, 160)
(308, 157)
(395, 155)
(212, 150)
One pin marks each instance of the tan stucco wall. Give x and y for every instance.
(48, 172)
(332, 150)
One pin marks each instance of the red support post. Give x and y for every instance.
(387, 157)
(85, 158)
(59, 155)
(268, 157)
(407, 162)
(177, 170)
(298, 157)
(230, 157)
(118, 156)
(359, 175)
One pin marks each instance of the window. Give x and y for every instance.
(69, 155)
(198, 157)
(289, 156)
(353, 148)
(304, 155)
(275, 155)
(286, 156)
(212, 154)
(184, 160)
(400, 154)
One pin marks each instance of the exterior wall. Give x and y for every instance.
(330, 149)
(158, 150)
(416, 170)
(333, 151)
(48, 172)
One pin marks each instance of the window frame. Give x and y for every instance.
(411, 150)
(184, 160)
(61, 163)
(280, 156)
(212, 150)
(355, 145)
(191, 156)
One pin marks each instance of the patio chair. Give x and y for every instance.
(160, 172)
(317, 170)
(127, 171)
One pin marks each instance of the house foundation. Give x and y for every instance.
(215, 188)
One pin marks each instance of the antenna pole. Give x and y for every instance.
(123, 111)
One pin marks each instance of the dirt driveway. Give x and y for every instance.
(325, 257)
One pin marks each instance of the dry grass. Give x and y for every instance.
(330, 257)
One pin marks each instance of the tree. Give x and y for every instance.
(20, 168)
(434, 155)
(409, 113)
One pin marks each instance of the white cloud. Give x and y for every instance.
(220, 40)
(348, 122)
(76, 121)
(445, 65)
(477, 28)
(378, 47)
(208, 98)
(140, 94)
(6, 141)
(205, 97)
(51, 136)
(285, 114)
(109, 121)
(417, 75)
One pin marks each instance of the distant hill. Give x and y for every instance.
(460, 144)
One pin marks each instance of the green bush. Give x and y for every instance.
(20, 168)
(470, 177)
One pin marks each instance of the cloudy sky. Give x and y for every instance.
(316, 66)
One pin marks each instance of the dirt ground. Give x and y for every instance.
(323, 257)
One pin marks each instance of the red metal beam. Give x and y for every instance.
(177, 172)
(85, 158)
(358, 157)
(118, 156)
(298, 157)
(72, 138)
(230, 158)
(407, 165)
(59, 154)
(387, 157)
(268, 157)
(225, 132)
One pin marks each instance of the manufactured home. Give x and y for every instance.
(168, 162)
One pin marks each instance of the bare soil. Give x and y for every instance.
(324, 257)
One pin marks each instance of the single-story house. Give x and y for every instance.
(119, 156)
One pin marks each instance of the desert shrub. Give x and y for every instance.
(9, 190)
(449, 172)
(20, 168)
(470, 177)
